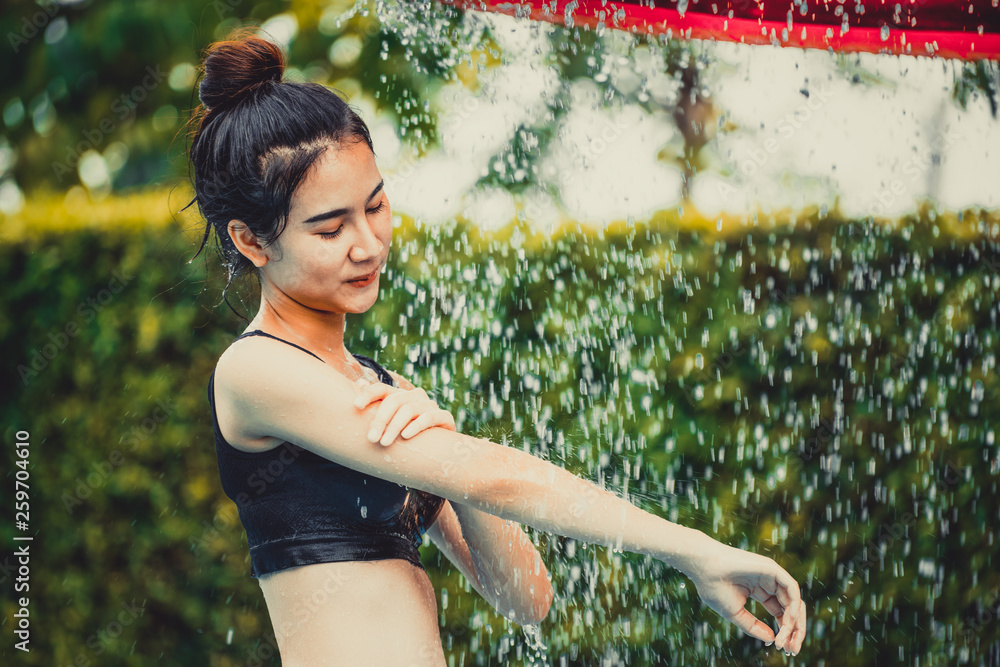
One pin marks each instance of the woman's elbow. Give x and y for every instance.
(538, 609)
(546, 605)
(541, 594)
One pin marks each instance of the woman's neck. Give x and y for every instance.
(320, 333)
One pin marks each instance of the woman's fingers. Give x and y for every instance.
(751, 625)
(402, 412)
(372, 392)
(781, 639)
(788, 631)
(792, 631)
(787, 587)
(400, 418)
(428, 419)
(448, 421)
(793, 628)
(773, 606)
(391, 398)
(387, 409)
(754, 627)
(425, 420)
(396, 411)
(797, 628)
(781, 597)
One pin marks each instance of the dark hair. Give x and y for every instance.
(255, 138)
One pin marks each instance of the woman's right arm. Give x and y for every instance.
(285, 394)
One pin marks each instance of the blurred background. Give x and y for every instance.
(752, 289)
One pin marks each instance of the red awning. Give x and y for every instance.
(969, 29)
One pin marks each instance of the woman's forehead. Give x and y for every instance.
(343, 178)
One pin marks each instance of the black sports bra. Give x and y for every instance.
(300, 508)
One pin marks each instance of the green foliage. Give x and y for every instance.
(821, 392)
(979, 77)
(96, 77)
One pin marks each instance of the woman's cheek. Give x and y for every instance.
(387, 224)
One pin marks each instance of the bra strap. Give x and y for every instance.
(367, 361)
(258, 332)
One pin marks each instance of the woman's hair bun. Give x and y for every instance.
(235, 66)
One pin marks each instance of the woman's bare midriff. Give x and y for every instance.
(351, 613)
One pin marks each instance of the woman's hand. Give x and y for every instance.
(403, 412)
(725, 577)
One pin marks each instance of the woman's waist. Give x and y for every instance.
(348, 581)
(352, 607)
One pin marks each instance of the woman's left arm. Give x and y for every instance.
(499, 560)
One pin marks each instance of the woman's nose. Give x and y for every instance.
(367, 246)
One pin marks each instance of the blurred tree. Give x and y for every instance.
(982, 76)
(92, 94)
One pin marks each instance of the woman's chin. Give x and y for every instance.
(356, 306)
(361, 304)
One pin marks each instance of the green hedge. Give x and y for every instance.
(820, 391)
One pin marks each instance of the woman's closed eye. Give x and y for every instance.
(336, 232)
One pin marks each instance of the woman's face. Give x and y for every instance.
(339, 229)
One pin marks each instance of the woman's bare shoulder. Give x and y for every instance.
(235, 365)
(246, 359)
(243, 373)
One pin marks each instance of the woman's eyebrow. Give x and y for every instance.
(337, 212)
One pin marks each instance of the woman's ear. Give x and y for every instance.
(246, 242)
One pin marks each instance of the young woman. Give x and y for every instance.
(323, 450)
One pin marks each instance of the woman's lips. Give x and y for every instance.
(362, 282)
